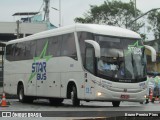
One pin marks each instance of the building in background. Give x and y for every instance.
(28, 24)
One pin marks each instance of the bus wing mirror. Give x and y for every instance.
(96, 47)
(153, 52)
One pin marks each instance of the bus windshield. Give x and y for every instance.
(122, 59)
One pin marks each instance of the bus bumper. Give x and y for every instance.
(108, 95)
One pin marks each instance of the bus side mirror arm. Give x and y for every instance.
(96, 47)
(153, 52)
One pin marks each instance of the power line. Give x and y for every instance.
(41, 6)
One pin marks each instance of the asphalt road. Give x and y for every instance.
(85, 110)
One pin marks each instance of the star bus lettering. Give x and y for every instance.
(41, 56)
(135, 48)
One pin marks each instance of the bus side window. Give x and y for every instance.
(54, 46)
(40, 46)
(20, 53)
(16, 52)
(68, 47)
(33, 48)
(13, 47)
(9, 52)
(28, 51)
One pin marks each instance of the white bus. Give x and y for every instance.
(79, 62)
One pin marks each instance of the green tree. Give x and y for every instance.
(154, 21)
(113, 12)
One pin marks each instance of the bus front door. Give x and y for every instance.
(89, 75)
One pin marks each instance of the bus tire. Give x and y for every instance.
(21, 95)
(56, 101)
(75, 100)
(115, 103)
(22, 98)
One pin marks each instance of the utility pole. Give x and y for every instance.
(135, 14)
(59, 13)
(17, 28)
(59, 10)
(154, 9)
(46, 10)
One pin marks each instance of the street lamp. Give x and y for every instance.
(54, 8)
(59, 10)
(17, 30)
(130, 23)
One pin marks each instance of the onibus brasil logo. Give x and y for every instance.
(135, 49)
(39, 65)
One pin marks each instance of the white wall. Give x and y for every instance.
(27, 28)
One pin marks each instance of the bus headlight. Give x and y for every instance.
(99, 93)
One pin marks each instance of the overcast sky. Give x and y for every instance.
(70, 8)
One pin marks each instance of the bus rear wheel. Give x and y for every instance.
(75, 100)
(115, 103)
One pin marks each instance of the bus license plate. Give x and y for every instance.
(124, 96)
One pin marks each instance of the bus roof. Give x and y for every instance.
(93, 28)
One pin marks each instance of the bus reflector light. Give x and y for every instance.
(82, 86)
(99, 93)
(145, 96)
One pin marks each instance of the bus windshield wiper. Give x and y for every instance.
(132, 60)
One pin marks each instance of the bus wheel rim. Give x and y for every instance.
(72, 95)
(20, 95)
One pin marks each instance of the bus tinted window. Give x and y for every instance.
(68, 47)
(40, 46)
(27, 50)
(54, 46)
(9, 52)
(32, 49)
(82, 36)
(16, 51)
(20, 51)
(62, 45)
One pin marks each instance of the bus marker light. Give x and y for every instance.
(99, 93)
(145, 96)
(82, 86)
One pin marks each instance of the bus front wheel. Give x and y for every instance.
(75, 100)
(115, 103)
(22, 98)
(21, 95)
